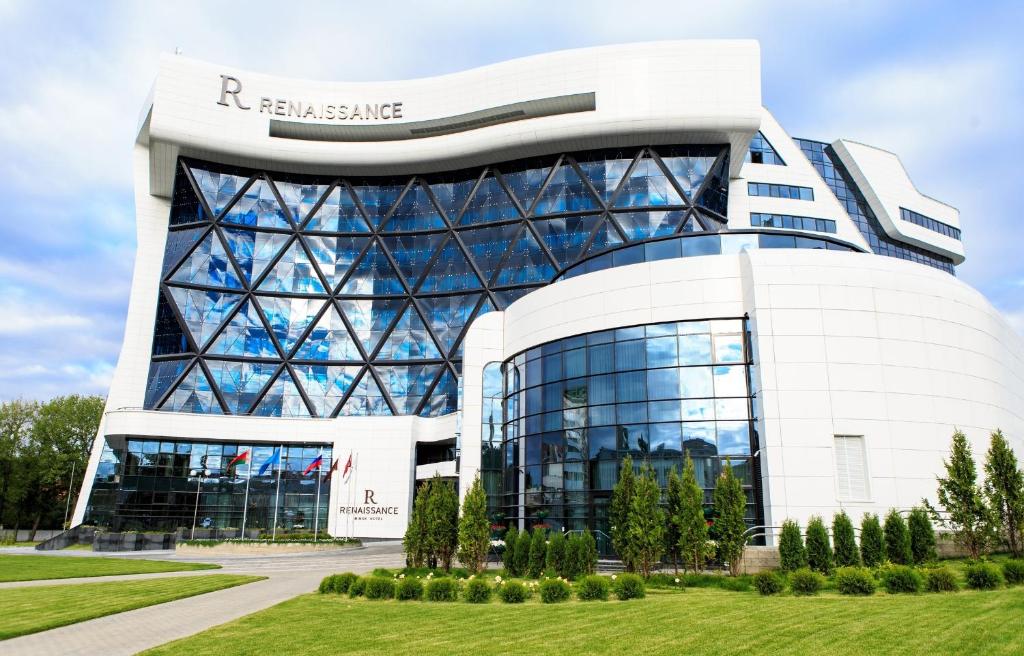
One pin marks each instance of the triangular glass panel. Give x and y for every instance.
(408, 340)
(487, 245)
(335, 255)
(185, 205)
(293, 273)
(448, 315)
(338, 214)
(258, 207)
(605, 237)
(605, 172)
(288, 318)
(203, 311)
(282, 399)
(406, 385)
(240, 382)
(451, 272)
(325, 385)
(178, 243)
(245, 336)
(644, 225)
(168, 334)
(370, 317)
(566, 237)
(525, 183)
(329, 340)
(412, 252)
(489, 203)
(373, 275)
(761, 152)
(566, 192)
(507, 297)
(217, 188)
(526, 262)
(253, 251)
(692, 225)
(208, 265)
(193, 394)
(300, 198)
(377, 199)
(414, 212)
(451, 196)
(366, 399)
(647, 186)
(715, 193)
(444, 398)
(162, 375)
(689, 171)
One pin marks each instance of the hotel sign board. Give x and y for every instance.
(231, 95)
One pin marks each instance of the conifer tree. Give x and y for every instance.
(792, 554)
(846, 553)
(967, 514)
(538, 553)
(674, 516)
(731, 506)
(819, 552)
(509, 555)
(1004, 490)
(522, 554)
(693, 528)
(556, 552)
(897, 539)
(417, 534)
(442, 521)
(646, 522)
(922, 536)
(618, 511)
(872, 545)
(474, 528)
(588, 561)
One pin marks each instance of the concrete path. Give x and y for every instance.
(134, 631)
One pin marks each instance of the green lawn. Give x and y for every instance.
(701, 621)
(32, 609)
(33, 568)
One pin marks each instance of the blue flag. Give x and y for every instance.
(272, 460)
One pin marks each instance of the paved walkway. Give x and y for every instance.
(134, 631)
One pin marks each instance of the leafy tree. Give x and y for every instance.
(646, 522)
(967, 514)
(538, 553)
(845, 543)
(619, 509)
(417, 534)
(693, 528)
(872, 544)
(523, 553)
(819, 552)
(792, 554)
(731, 506)
(922, 536)
(443, 521)
(474, 528)
(1004, 490)
(897, 539)
(556, 552)
(509, 555)
(16, 419)
(674, 497)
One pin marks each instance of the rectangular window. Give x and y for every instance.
(930, 223)
(792, 222)
(851, 468)
(779, 191)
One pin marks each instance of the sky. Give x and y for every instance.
(939, 83)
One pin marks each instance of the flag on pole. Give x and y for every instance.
(348, 467)
(272, 460)
(241, 457)
(314, 465)
(330, 472)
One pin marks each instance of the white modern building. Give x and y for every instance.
(527, 271)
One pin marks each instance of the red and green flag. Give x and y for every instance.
(241, 457)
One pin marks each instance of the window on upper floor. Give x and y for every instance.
(930, 223)
(851, 468)
(791, 222)
(762, 152)
(779, 191)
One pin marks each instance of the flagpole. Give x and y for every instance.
(277, 494)
(245, 504)
(316, 520)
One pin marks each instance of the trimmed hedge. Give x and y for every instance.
(899, 579)
(1013, 572)
(442, 589)
(855, 581)
(337, 583)
(379, 587)
(984, 576)
(477, 591)
(769, 583)
(554, 591)
(593, 588)
(409, 589)
(629, 586)
(358, 586)
(940, 579)
(804, 583)
(512, 592)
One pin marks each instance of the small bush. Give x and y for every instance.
(769, 583)
(983, 576)
(381, 571)
(512, 592)
(1013, 572)
(901, 578)
(940, 579)
(379, 587)
(442, 589)
(922, 536)
(819, 551)
(872, 543)
(593, 588)
(358, 586)
(478, 591)
(735, 583)
(804, 582)
(791, 547)
(897, 539)
(554, 591)
(629, 586)
(409, 589)
(337, 583)
(855, 581)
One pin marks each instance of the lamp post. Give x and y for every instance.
(199, 489)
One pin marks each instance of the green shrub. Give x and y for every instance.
(512, 592)
(922, 536)
(522, 555)
(792, 554)
(901, 578)
(573, 560)
(409, 589)
(803, 582)
(379, 587)
(940, 579)
(382, 571)
(855, 581)
(358, 586)
(593, 588)
(629, 586)
(538, 553)
(1013, 572)
(844, 541)
(337, 583)
(735, 584)
(897, 539)
(872, 548)
(769, 582)
(556, 553)
(508, 556)
(983, 576)
(554, 591)
(819, 552)
(442, 589)
(478, 591)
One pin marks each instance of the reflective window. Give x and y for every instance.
(791, 222)
(930, 223)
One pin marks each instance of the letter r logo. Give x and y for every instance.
(368, 498)
(230, 86)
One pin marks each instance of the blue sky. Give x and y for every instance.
(941, 84)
